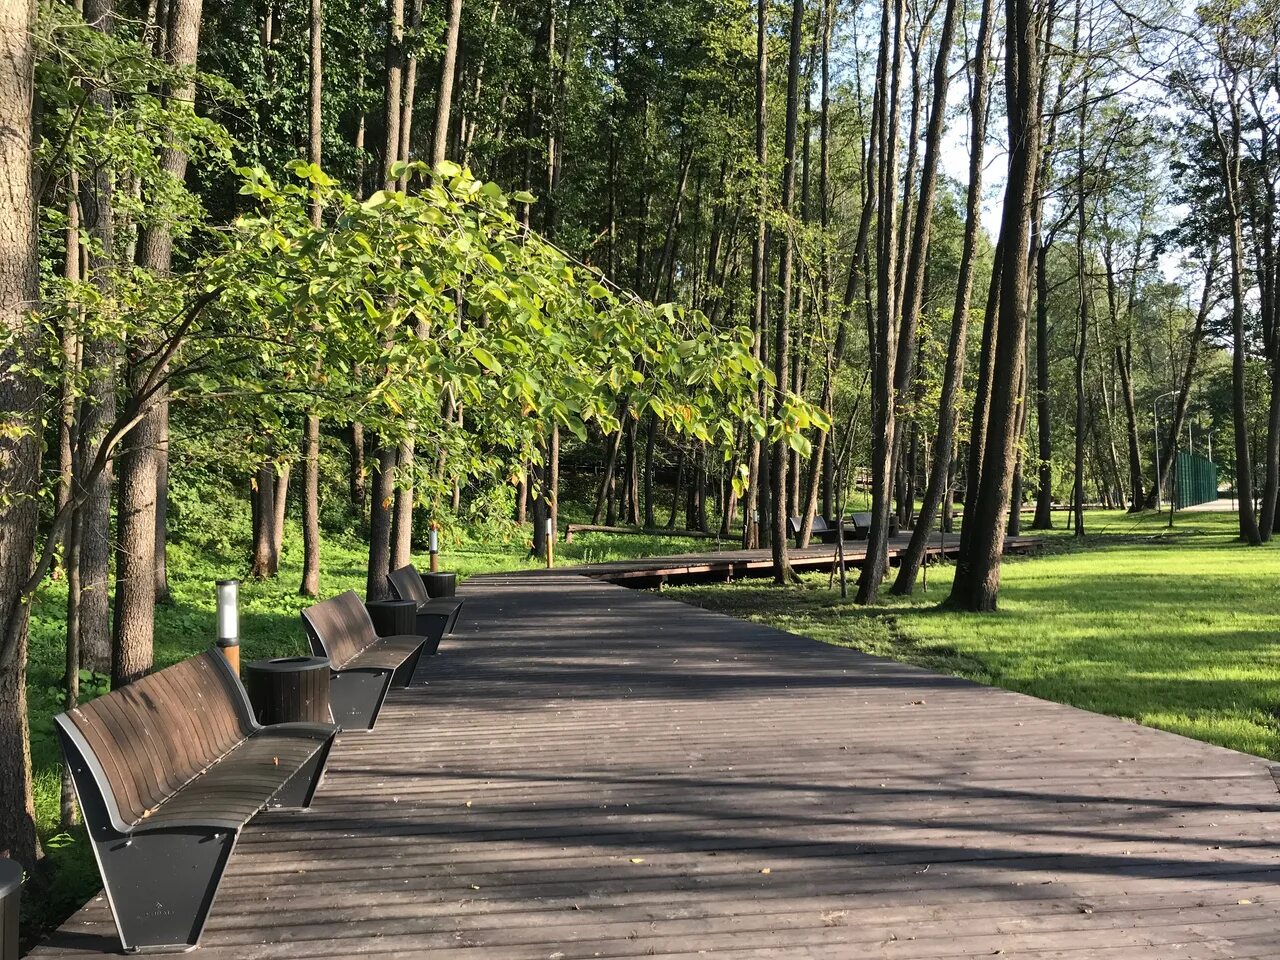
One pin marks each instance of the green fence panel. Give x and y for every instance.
(1196, 480)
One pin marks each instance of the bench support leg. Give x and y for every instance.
(404, 673)
(356, 696)
(161, 884)
(302, 786)
(433, 626)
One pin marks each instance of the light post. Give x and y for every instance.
(229, 621)
(1155, 417)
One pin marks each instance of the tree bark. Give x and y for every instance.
(19, 448)
(885, 325)
(384, 491)
(782, 330)
(100, 359)
(448, 66)
(977, 583)
(750, 519)
(134, 615)
(384, 497)
(310, 585)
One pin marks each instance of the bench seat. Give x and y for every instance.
(242, 783)
(167, 771)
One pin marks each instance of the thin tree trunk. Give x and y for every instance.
(263, 492)
(99, 359)
(448, 67)
(134, 615)
(885, 326)
(384, 491)
(310, 585)
(281, 504)
(751, 522)
(782, 330)
(385, 495)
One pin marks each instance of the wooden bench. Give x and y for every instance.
(437, 616)
(824, 531)
(167, 771)
(861, 523)
(363, 665)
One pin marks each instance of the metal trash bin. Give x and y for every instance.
(440, 584)
(10, 897)
(289, 689)
(393, 618)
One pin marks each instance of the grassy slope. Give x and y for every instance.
(1173, 629)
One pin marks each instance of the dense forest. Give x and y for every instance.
(389, 265)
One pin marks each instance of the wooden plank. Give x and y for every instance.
(592, 771)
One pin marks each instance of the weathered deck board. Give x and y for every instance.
(587, 771)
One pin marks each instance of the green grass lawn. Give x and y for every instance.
(1174, 629)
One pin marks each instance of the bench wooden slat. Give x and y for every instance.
(137, 733)
(344, 626)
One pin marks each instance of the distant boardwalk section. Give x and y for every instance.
(587, 771)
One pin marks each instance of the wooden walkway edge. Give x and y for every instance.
(587, 771)
(738, 564)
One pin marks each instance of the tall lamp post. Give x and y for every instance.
(1155, 417)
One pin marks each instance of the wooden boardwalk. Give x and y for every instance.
(587, 771)
(737, 564)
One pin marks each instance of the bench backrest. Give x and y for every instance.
(341, 628)
(159, 733)
(861, 521)
(820, 525)
(407, 584)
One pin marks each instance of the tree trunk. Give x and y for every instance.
(782, 330)
(356, 477)
(750, 521)
(281, 503)
(162, 503)
(885, 325)
(448, 67)
(264, 518)
(384, 491)
(134, 619)
(19, 448)
(100, 359)
(1082, 313)
(650, 444)
(310, 586)
(977, 583)
(385, 496)
(1043, 519)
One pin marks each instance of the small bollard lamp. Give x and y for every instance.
(229, 622)
(551, 543)
(434, 547)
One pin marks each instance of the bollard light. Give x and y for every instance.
(434, 547)
(229, 621)
(10, 894)
(551, 543)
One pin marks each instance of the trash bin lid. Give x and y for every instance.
(288, 665)
(10, 877)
